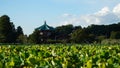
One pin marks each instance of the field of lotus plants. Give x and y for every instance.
(60, 56)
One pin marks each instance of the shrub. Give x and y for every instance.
(111, 41)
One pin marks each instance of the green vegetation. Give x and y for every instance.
(104, 55)
(8, 33)
(60, 34)
(60, 56)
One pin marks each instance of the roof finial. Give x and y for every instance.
(45, 22)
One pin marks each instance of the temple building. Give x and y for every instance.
(45, 31)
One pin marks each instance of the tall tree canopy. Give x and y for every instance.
(7, 30)
(79, 36)
(20, 37)
(63, 32)
(19, 30)
(35, 37)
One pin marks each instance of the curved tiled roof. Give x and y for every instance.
(45, 27)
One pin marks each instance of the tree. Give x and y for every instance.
(91, 38)
(77, 27)
(19, 30)
(63, 32)
(101, 38)
(7, 30)
(79, 36)
(115, 35)
(19, 35)
(35, 37)
(22, 39)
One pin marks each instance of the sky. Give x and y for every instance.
(30, 14)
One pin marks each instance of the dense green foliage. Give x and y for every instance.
(8, 33)
(76, 34)
(79, 36)
(115, 35)
(7, 30)
(60, 34)
(60, 56)
(111, 41)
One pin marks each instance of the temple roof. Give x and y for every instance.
(45, 27)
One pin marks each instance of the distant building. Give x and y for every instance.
(46, 31)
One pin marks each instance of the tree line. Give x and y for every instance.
(8, 33)
(61, 34)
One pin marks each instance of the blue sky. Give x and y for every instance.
(30, 14)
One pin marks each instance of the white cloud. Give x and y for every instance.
(104, 16)
(90, 19)
(116, 10)
(104, 11)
